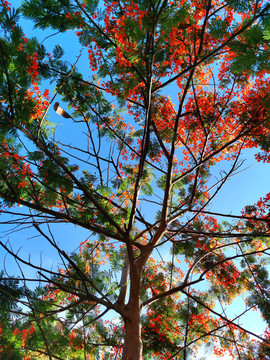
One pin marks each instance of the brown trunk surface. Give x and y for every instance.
(132, 349)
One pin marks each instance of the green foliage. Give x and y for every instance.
(58, 52)
(54, 13)
(240, 6)
(10, 291)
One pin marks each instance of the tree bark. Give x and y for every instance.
(132, 348)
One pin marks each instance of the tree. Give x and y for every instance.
(135, 171)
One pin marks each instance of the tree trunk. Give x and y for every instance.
(132, 349)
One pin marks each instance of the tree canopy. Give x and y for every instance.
(161, 95)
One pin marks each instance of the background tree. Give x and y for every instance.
(135, 171)
(10, 294)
